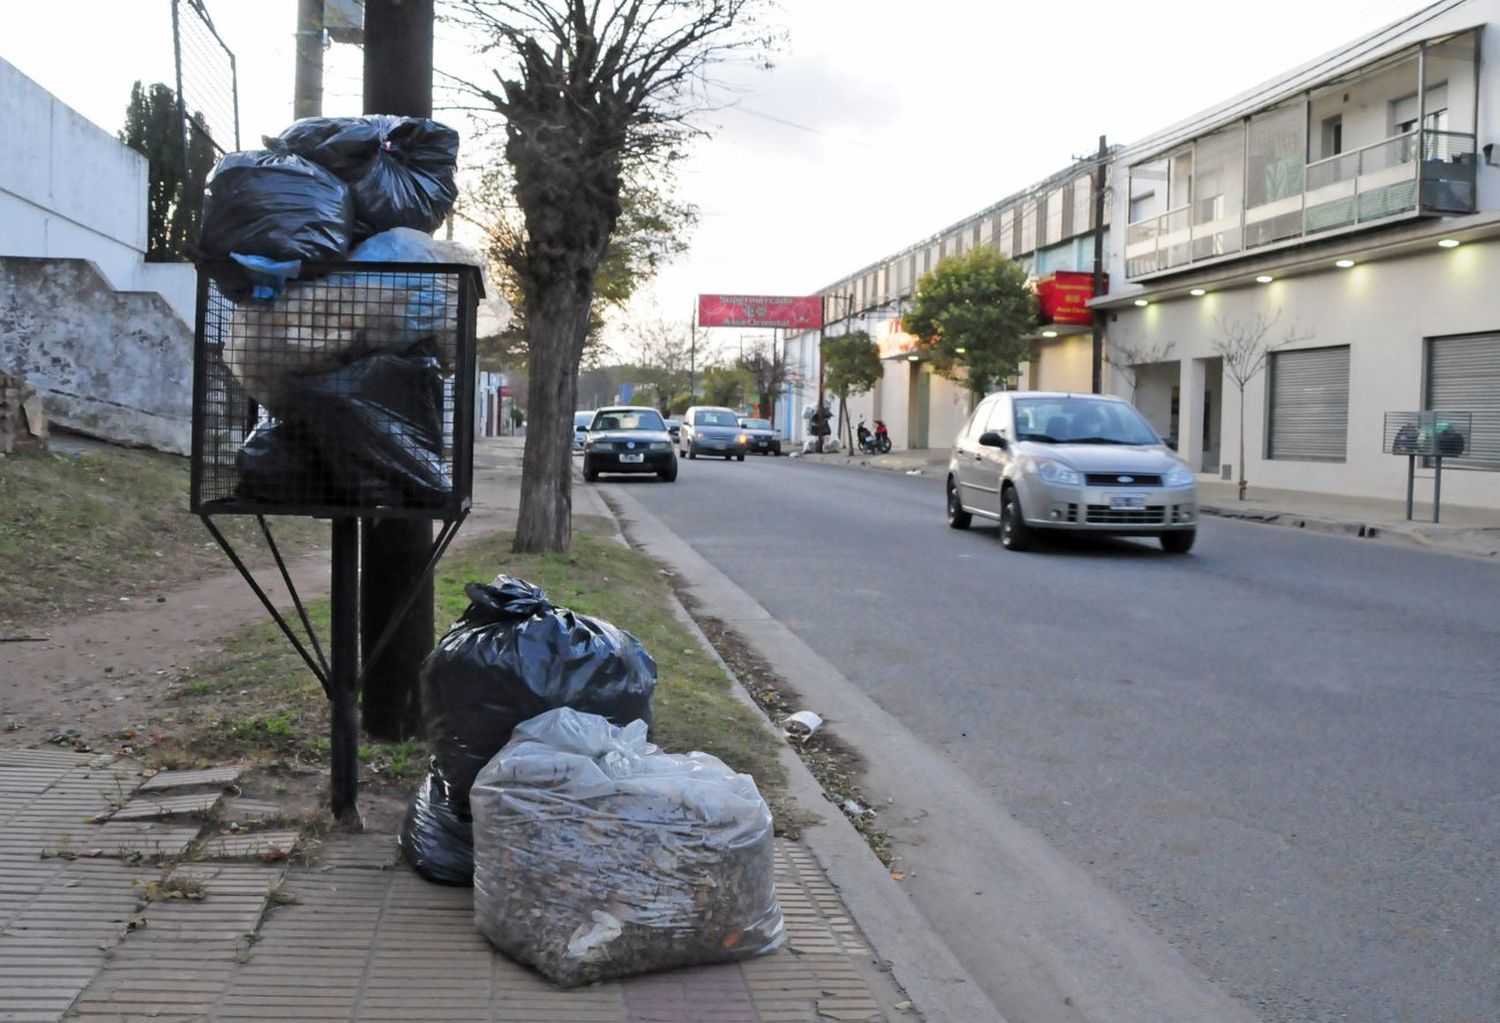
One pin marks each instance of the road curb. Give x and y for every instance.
(1405, 534)
(937, 984)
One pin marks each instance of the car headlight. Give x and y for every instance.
(742, 439)
(698, 435)
(1181, 476)
(660, 445)
(1056, 472)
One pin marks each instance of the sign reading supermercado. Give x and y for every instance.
(797, 313)
(1064, 295)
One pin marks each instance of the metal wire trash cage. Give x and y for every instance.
(344, 392)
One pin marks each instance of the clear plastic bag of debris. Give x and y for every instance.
(596, 855)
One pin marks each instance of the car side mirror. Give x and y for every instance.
(1170, 443)
(991, 439)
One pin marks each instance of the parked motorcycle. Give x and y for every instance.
(876, 442)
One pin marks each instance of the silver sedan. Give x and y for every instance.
(1034, 461)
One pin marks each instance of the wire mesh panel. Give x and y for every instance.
(1439, 432)
(346, 392)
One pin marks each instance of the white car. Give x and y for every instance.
(581, 421)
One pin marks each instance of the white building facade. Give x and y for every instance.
(1345, 220)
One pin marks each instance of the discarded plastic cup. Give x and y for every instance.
(801, 726)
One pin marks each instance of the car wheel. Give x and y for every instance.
(740, 457)
(1179, 541)
(669, 474)
(590, 474)
(957, 517)
(692, 452)
(1015, 534)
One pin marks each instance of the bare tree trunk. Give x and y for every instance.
(545, 522)
(1242, 442)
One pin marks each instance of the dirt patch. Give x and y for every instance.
(834, 764)
(84, 531)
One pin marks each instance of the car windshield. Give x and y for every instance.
(712, 418)
(756, 424)
(1081, 421)
(629, 419)
(581, 419)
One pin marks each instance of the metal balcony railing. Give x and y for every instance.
(1363, 186)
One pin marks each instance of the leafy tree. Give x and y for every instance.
(766, 364)
(588, 92)
(725, 385)
(973, 312)
(851, 366)
(174, 194)
(653, 229)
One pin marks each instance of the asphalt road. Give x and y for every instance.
(1282, 751)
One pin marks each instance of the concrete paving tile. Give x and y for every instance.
(147, 807)
(273, 844)
(182, 779)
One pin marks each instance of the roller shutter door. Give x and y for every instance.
(1310, 404)
(1463, 375)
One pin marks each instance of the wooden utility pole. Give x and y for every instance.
(307, 92)
(1099, 314)
(398, 80)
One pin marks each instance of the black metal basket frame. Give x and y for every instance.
(338, 671)
(471, 288)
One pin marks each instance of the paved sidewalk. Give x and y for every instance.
(126, 896)
(1464, 530)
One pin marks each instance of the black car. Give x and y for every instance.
(629, 439)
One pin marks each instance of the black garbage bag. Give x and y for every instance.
(379, 423)
(277, 205)
(279, 464)
(513, 656)
(437, 839)
(400, 169)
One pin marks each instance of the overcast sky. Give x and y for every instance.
(883, 120)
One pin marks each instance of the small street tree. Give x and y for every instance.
(766, 364)
(1127, 355)
(851, 367)
(588, 92)
(1245, 345)
(972, 313)
(173, 191)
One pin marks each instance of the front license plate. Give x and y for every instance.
(632, 458)
(1127, 502)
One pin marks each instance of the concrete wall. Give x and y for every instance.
(70, 190)
(116, 365)
(1384, 311)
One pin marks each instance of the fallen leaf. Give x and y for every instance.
(899, 875)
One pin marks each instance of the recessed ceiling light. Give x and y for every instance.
(1344, 264)
(1197, 293)
(1448, 243)
(1049, 333)
(1142, 302)
(1264, 279)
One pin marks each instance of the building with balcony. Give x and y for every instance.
(1047, 227)
(1342, 219)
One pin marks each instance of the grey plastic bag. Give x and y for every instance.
(596, 855)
